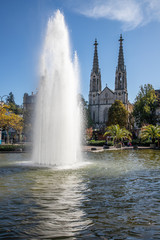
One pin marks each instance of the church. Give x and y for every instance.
(101, 100)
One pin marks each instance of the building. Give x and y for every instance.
(101, 100)
(29, 102)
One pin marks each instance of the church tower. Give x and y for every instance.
(95, 79)
(95, 86)
(121, 77)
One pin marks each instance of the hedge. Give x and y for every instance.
(12, 148)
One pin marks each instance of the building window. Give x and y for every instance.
(93, 116)
(105, 115)
(94, 85)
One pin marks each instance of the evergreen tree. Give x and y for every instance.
(117, 114)
(10, 98)
(85, 111)
(13, 106)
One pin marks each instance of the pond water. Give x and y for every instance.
(115, 195)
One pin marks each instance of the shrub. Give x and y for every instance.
(140, 142)
(110, 143)
(136, 141)
(9, 148)
(96, 142)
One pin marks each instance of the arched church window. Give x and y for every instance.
(120, 80)
(105, 115)
(94, 84)
(94, 116)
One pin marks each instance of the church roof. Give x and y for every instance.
(107, 89)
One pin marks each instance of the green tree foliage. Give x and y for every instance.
(13, 106)
(145, 106)
(85, 111)
(10, 98)
(117, 114)
(150, 132)
(118, 133)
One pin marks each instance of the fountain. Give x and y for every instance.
(57, 125)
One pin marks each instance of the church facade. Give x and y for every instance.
(101, 100)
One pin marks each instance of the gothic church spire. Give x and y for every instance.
(121, 57)
(121, 76)
(95, 79)
(95, 59)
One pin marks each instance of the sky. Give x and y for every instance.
(22, 31)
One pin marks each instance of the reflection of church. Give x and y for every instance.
(101, 100)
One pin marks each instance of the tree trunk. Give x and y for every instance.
(7, 136)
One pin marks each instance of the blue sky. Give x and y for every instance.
(23, 24)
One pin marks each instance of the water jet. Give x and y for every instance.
(57, 124)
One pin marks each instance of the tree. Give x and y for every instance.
(13, 106)
(117, 133)
(117, 114)
(150, 131)
(145, 106)
(10, 120)
(89, 133)
(85, 111)
(10, 98)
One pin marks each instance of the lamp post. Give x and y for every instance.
(1, 98)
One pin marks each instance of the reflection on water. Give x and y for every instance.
(116, 196)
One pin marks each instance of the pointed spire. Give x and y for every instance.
(121, 57)
(95, 60)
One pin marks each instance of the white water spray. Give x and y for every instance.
(57, 128)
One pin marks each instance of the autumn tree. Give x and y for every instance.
(145, 106)
(10, 120)
(89, 133)
(117, 114)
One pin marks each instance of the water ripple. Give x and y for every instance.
(114, 197)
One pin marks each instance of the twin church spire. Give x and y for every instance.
(101, 100)
(120, 78)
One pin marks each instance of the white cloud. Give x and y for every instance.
(131, 13)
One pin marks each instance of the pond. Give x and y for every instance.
(115, 195)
